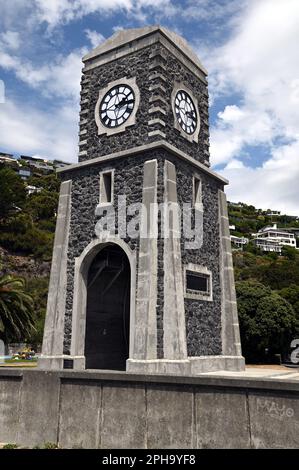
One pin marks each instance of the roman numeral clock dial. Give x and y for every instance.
(185, 112)
(117, 106)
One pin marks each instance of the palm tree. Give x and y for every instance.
(16, 308)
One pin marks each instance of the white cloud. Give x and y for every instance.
(60, 78)
(11, 39)
(14, 13)
(234, 164)
(59, 12)
(2, 92)
(274, 185)
(94, 37)
(260, 63)
(49, 134)
(56, 12)
(240, 126)
(231, 113)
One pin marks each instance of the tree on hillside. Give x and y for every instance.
(289, 252)
(12, 190)
(16, 309)
(267, 321)
(49, 182)
(42, 205)
(38, 288)
(278, 275)
(291, 294)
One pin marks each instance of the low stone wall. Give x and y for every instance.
(121, 410)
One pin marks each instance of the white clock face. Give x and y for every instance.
(117, 106)
(185, 112)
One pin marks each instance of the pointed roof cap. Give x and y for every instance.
(125, 36)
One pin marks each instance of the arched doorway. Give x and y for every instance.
(108, 310)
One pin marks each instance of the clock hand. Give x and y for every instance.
(123, 102)
(110, 107)
(189, 114)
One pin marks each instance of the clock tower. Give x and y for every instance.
(142, 275)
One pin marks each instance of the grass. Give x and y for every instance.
(10, 446)
(19, 364)
(16, 361)
(46, 445)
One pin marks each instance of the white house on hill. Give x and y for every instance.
(273, 239)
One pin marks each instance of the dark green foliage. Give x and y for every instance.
(12, 190)
(30, 231)
(268, 302)
(280, 274)
(291, 294)
(10, 446)
(251, 248)
(33, 242)
(248, 219)
(50, 445)
(289, 252)
(42, 206)
(267, 321)
(48, 182)
(16, 309)
(38, 289)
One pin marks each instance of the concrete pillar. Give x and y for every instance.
(175, 346)
(231, 345)
(145, 336)
(52, 350)
(144, 359)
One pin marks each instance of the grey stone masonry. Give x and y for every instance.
(203, 319)
(156, 69)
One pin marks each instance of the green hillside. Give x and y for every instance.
(267, 286)
(247, 219)
(27, 226)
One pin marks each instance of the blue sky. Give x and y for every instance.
(248, 46)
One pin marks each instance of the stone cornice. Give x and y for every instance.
(105, 55)
(143, 148)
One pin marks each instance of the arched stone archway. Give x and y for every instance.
(98, 323)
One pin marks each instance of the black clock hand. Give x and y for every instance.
(110, 107)
(190, 114)
(123, 103)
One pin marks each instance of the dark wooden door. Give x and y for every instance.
(108, 310)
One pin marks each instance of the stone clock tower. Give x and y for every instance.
(142, 276)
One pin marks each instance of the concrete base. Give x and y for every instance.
(204, 364)
(58, 362)
(120, 410)
(51, 362)
(190, 366)
(159, 366)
